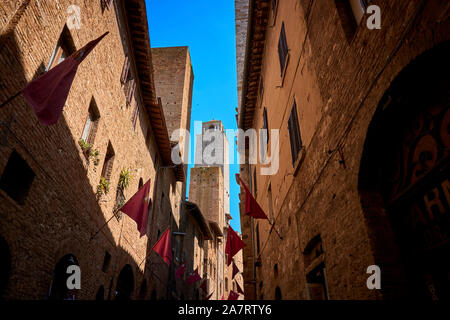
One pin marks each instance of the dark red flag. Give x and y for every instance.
(137, 208)
(48, 93)
(233, 245)
(193, 277)
(163, 247)
(180, 271)
(233, 295)
(209, 297)
(252, 208)
(235, 270)
(239, 290)
(203, 285)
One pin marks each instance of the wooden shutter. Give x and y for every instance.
(135, 115)
(130, 92)
(125, 70)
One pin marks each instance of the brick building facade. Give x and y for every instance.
(51, 212)
(363, 146)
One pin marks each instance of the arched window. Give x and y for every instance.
(226, 284)
(141, 183)
(58, 288)
(278, 293)
(143, 290)
(125, 284)
(5, 265)
(100, 294)
(275, 270)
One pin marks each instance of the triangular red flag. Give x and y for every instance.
(137, 207)
(252, 208)
(209, 297)
(180, 271)
(239, 290)
(48, 93)
(235, 270)
(233, 295)
(203, 285)
(163, 247)
(233, 245)
(193, 277)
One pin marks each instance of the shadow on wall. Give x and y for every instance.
(49, 211)
(403, 180)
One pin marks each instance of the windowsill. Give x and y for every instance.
(299, 161)
(11, 200)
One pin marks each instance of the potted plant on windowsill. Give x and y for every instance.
(85, 147)
(103, 187)
(95, 153)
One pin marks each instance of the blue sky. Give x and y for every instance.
(208, 28)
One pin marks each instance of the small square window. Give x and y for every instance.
(17, 178)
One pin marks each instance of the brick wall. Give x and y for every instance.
(61, 211)
(337, 84)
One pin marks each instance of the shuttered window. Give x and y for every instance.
(108, 164)
(135, 115)
(91, 124)
(130, 92)
(282, 48)
(274, 5)
(294, 134)
(125, 70)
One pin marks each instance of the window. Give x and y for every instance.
(91, 124)
(275, 270)
(351, 13)
(141, 183)
(278, 293)
(17, 178)
(282, 49)
(125, 71)
(269, 196)
(130, 92)
(294, 134)
(64, 48)
(135, 115)
(255, 190)
(106, 4)
(274, 6)
(315, 270)
(226, 284)
(264, 136)
(106, 262)
(258, 249)
(108, 164)
(261, 88)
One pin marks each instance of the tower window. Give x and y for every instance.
(17, 178)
